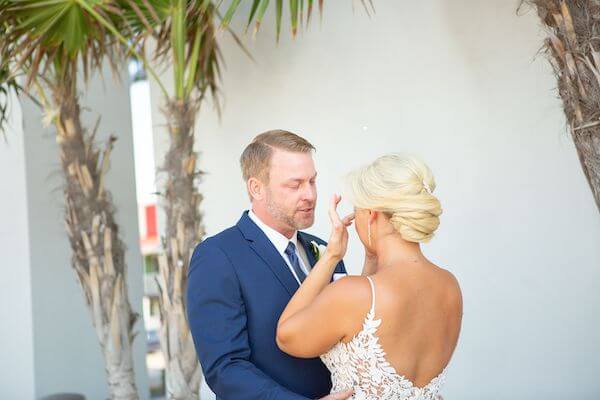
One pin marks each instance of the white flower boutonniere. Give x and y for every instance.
(318, 249)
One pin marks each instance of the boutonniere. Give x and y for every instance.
(318, 249)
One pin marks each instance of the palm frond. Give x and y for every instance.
(185, 36)
(59, 32)
(8, 84)
(300, 13)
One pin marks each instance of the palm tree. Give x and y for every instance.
(49, 43)
(184, 33)
(184, 37)
(573, 46)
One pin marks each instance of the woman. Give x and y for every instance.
(390, 333)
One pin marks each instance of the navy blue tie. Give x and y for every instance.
(290, 251)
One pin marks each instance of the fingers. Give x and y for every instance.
(347, 221)
(333, 215)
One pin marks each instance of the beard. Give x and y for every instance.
(293, 218)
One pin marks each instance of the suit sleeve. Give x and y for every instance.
(341, 268)
(217, 317)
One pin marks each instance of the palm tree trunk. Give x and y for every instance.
(98, 252)
(184, 230)
(574, 45)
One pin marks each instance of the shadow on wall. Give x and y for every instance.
(478, 31)
(64, 396)
(471, 25)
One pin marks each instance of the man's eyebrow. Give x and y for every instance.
(300, 179)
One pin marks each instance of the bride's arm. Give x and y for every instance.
(308, 326)
(315, 282)
(314, 322)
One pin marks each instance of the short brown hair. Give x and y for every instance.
(256, 158)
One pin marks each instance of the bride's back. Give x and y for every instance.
(418, 304)
(420, 308)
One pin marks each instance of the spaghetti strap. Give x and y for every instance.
(372, 294)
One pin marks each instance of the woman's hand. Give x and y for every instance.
(338, 241)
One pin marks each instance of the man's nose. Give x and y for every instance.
(310, 193)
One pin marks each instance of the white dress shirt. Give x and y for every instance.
(281, 243)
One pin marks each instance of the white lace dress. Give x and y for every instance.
(361, 364)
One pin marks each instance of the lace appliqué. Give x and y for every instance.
(361, 364)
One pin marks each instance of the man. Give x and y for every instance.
(241, 279)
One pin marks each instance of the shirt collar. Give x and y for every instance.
(279, 241)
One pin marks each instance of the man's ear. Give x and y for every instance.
(255, 188)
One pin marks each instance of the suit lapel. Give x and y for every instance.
(263, 247)
(306, 243)
(307, 248)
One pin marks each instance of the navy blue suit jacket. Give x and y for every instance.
(238, 286)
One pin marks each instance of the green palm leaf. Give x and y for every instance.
(57, 31)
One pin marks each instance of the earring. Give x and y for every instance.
(369, 233)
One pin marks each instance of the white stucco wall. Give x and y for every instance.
(17, 378)
(458, 83)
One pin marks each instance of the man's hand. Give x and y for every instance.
(339, 395)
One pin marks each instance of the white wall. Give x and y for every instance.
(65, 352)
(17, 378)
(457, 82)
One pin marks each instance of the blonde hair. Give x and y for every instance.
(400, 186)
(256, 157)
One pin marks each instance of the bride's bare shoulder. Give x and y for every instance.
(351, 290)
(451, 288)
(445, 276)
(351, 299)
(450, 279)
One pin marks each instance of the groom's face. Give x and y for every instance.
(291, 193)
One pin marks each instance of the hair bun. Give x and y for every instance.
(401, 186)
